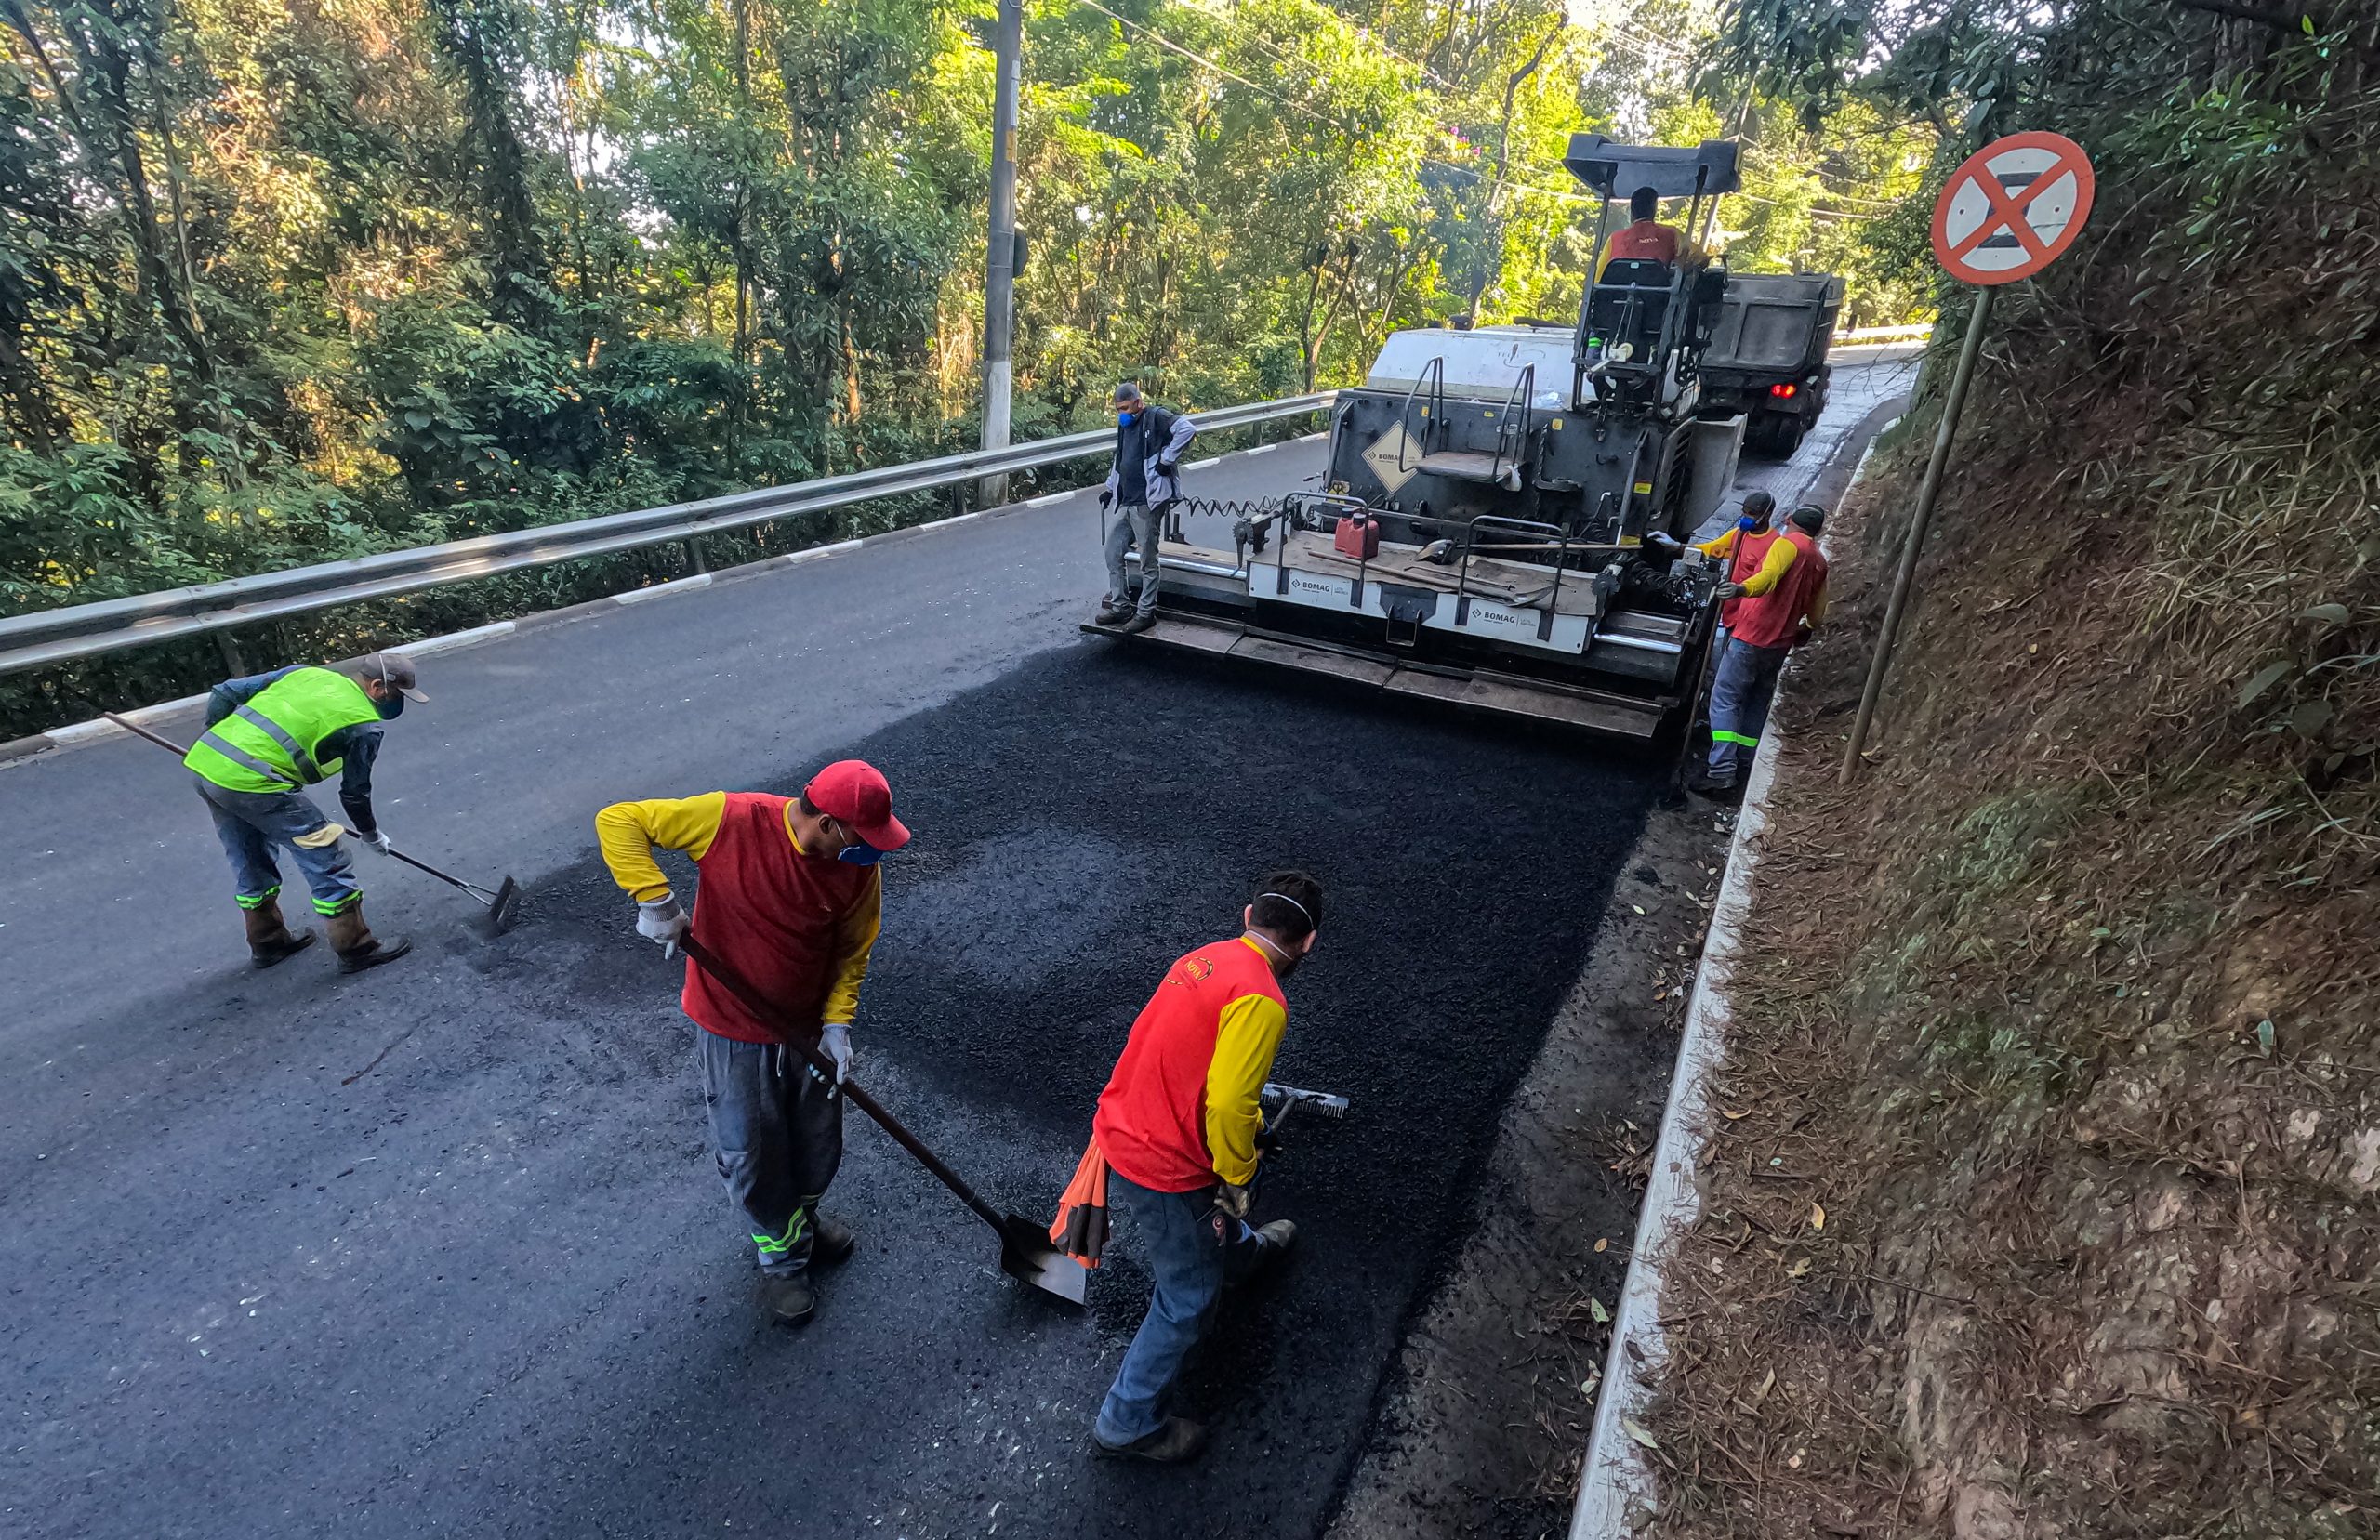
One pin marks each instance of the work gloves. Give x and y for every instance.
(1234, 1199)
(1106, 497)
(378, 839)
(835, 1043)
(661, 921)
(1168, 469)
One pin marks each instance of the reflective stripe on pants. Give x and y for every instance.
(250, 823)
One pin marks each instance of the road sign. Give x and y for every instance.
(2013, 208)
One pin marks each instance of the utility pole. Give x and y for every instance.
(1000, 270)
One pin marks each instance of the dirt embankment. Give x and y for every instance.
(2043, 1202)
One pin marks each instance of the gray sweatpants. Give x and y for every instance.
(776, 1127)
(1136, 524)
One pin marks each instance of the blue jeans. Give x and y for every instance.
(1739, 697)
(1194, 1248)
(251, 823)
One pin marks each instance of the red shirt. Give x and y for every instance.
(1774, 619)
(775, 915)
(1154, 1118)
(1646, 241)
(1744, 561)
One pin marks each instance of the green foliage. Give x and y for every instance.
(282, 282)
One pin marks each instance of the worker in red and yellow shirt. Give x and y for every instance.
(1178, 1127)
(1783, 602)
(1744, 546)
(790, 901)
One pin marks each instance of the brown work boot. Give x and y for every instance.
(830, 1240)
(269, 941)
(788, 1295)
(1179, 1440)
(357, 947)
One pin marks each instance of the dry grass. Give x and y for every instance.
(2043, 1202)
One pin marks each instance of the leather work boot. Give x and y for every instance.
(269, 941)
(1108, 613)
(1179, 1440)
(357, 947)
(788, 1295)
(1141, 621)
(830, 1240)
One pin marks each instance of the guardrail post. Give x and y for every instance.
(695, 553)
(237, 667)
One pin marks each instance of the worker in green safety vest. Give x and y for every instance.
(268, 737)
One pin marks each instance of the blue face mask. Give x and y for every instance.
(1125, 420)
(1747, 524)
(391, 708)
(859, 855)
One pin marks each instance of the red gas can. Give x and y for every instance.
(1357, 536)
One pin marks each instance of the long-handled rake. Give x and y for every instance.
(503, 904)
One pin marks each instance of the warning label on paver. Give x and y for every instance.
(1388, 451)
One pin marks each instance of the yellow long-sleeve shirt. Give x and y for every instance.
(1779, 560)
(627, 833)
(1246, 1040)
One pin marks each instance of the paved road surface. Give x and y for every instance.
(438, 1249)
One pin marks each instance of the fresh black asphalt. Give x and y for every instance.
(438, 1249)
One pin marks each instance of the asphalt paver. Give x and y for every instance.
(438, 1249)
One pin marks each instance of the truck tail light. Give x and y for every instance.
(1784, 392)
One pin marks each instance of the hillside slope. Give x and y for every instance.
(2042, 1203)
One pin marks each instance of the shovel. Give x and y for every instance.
(503, 905)
(1026, 1252)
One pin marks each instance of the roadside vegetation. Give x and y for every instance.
(2042, 1202)
(284, 282)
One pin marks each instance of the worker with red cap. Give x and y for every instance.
(790, 901)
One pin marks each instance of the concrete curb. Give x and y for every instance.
(17, 750)
(1614, 1486)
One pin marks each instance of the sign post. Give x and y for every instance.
(2011, 209)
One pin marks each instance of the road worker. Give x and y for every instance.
(1146, 476)
(1177, 1126)
(1742, 546)
(270, 735)
(1645, 238)
(791, 899)
(1783, 602)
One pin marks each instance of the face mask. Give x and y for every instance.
(1125, 420)
(1747, 524)
(391, 708)
(858, 854)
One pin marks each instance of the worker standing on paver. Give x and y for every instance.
(270, 735)
(791, 899)
(1146, 476)
(1783, 602)
(1177, 1126)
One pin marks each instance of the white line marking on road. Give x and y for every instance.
(455, 639)
(638, 595)
(1264, 449)
(1202, 465)
(1045, 502)
(815, 552)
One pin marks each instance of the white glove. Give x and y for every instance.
(661, 920)
(835, 1042)
(378, 839)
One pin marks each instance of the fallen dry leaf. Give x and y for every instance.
(1595, 1307)
(1818, 1216)
(1636, 1429)
(1602, 1243)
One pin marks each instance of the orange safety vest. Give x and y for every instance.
(1152, 1118)
(1745, 560)
(1774, 619)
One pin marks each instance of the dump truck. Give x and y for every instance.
(1481, 535)
(1767, 360)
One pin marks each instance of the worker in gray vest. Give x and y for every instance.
(268, 737)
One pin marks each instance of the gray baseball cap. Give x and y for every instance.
(394, 669)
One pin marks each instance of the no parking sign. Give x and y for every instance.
(2013, 208)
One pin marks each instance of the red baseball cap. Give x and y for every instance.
(854, 792)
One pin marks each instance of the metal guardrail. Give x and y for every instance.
(49, 637)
